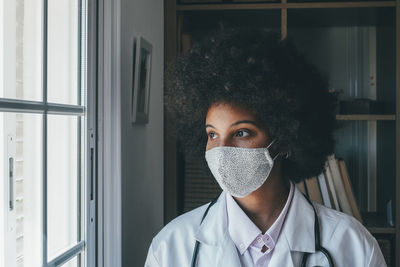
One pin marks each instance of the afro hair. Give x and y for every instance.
(257, 70)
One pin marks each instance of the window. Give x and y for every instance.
(45, 193)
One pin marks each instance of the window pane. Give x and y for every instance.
(21, 49)
(62, 184)
(21, 190)
(71, 263)
(63, 51)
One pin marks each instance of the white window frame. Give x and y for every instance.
(103, 222)
(88, 242)
(109, 232)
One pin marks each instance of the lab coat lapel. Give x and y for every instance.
(216, 244)
(228, 255)
(297, 235)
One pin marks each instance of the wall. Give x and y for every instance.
(142, 145)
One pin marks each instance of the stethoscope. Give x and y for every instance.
(317, 241)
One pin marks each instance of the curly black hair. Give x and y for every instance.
(255, 69)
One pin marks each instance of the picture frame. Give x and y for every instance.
(141, 76)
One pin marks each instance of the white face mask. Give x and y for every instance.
(238, 170)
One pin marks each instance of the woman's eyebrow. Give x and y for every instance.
(244, 121)
(236, 123)
(209, 125)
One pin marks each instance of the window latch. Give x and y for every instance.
(11, 182)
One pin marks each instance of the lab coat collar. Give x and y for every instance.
(214, 228)
(298, 228)
(214, 232)
(297, 232)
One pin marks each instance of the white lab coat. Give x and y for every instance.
(349, 243)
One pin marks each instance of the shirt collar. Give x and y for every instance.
(243, 231)
(276, 227)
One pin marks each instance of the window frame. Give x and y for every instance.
(87, 243)
(109, 226)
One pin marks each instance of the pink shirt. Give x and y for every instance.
(248, 238)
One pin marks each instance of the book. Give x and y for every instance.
(389, 213)
(324, 190)
(331, 187)
(349, 190)
(339, 187)
(313, 190)
(186, 42)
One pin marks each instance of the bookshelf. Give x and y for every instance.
(363, 117)
(282, 5)
(333, 31)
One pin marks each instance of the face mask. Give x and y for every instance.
(240, 171)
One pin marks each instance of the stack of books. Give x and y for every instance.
(332, 188)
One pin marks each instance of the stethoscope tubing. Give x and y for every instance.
(318, 246)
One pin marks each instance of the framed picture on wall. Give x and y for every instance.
(142, 51)
(132, 89)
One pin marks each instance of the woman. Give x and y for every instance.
(266, 120)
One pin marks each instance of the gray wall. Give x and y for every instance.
(142, 145)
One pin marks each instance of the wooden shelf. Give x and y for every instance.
(245, 6)
(259, 6)
(382, 230)
(376, 223)
(365, 117)
(342, 4)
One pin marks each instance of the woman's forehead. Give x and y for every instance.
(228, 113)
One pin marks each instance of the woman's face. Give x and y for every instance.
(231, 125)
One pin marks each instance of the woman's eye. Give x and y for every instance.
(212, 135)
(242, 133)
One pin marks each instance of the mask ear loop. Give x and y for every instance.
(270, 144)
(288, 154)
